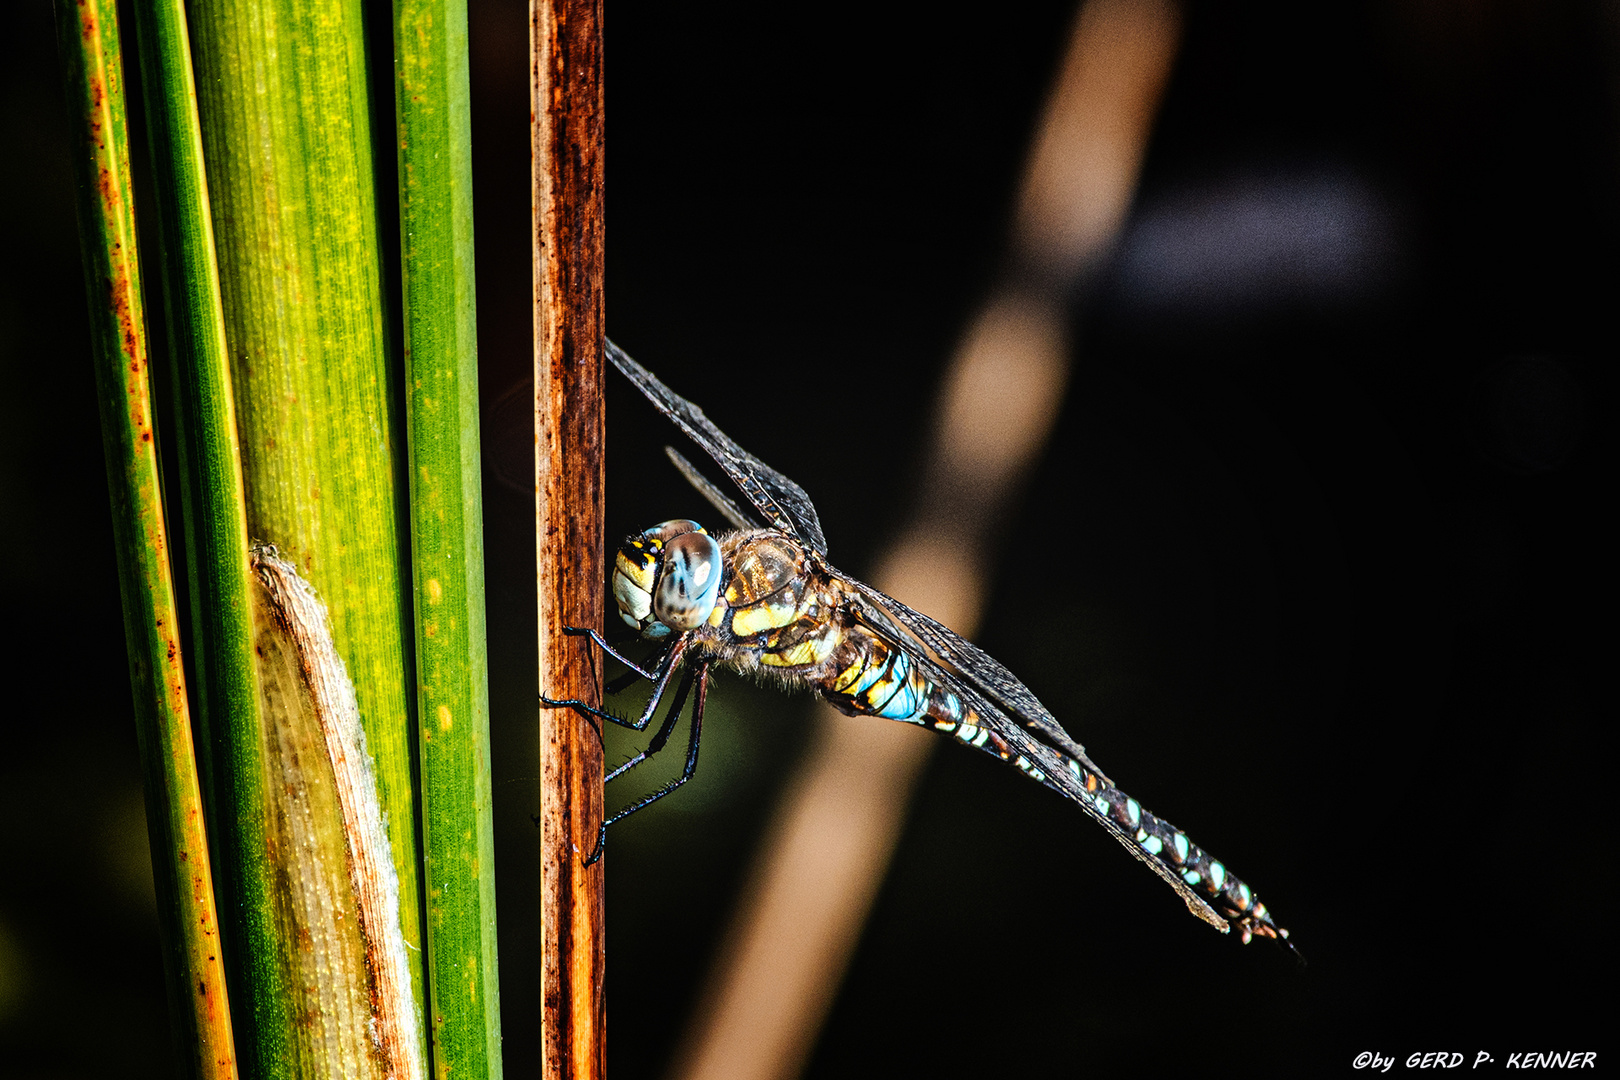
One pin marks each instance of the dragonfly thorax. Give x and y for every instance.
(667, 579)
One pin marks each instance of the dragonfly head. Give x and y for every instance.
(667, 579)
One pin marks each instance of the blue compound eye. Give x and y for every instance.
(635, 571)
(666, 531)
(689, 582)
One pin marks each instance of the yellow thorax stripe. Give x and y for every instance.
(812, 650)
(758, 618)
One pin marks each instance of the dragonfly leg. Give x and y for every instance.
(660, 679)
(601, 643)
(699, 677)
(648, 668)
(636, 674)
(661, 736)
(622, 683)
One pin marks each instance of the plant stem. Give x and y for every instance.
(215, 526)
(566, 100)
(447, 559)
(193, 960)
(284, 99)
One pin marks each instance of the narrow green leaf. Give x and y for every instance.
(283, 96)
(441, 363)
(205, 411)
(193, 960)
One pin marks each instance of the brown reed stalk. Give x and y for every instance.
(565, 40)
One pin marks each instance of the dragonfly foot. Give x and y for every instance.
(601, 847)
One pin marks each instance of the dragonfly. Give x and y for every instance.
(764, 600)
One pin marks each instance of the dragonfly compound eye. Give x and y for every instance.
(666, 531)
(635, 570)
(689, 582)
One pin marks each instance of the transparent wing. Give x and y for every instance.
(786, 506)
(1052, 761)
(717, 498)
(983, 672)
(784, 503)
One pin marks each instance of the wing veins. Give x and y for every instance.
(707, 488)
(985, 673)
(1058, 776)
(783, 502)
(978, 679)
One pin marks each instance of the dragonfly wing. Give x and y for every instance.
(1060, 776)
(1056, 771)
(982, 671)
(784, 503)
(717, 498)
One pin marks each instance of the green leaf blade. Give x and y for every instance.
(194, 967)
(435, 169)
(284, 98)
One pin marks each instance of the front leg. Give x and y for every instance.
(661, 736)
(660, 679)
(601, 642)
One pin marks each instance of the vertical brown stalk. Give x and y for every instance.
(565, 42)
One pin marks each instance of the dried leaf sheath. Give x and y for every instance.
(336, 893)
(284, 93)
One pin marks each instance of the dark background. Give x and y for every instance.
(1311, 565)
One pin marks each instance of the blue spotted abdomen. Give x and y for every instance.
(1152, 839)
(780, 616)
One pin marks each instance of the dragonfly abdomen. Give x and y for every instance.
(1150, 838)
(1171, 849)
(873, 678)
